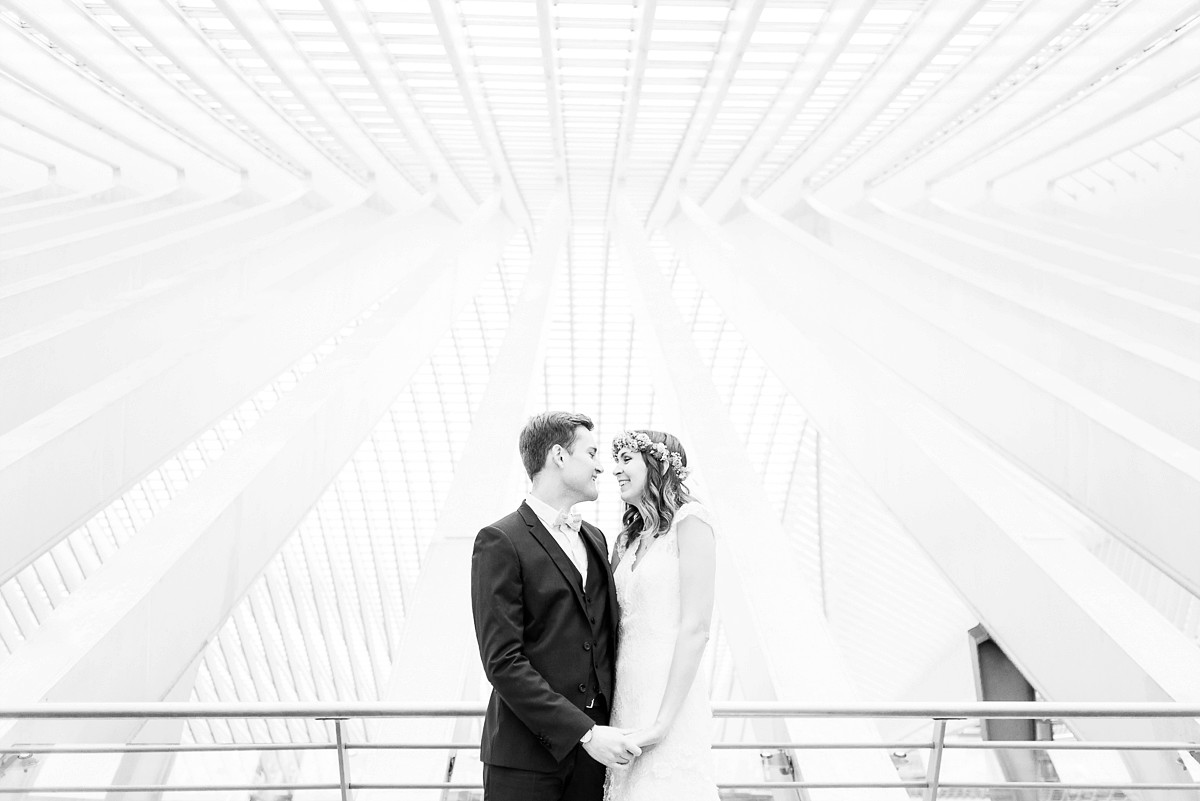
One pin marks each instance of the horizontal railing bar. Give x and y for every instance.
(155, 788)
(158, 788)
(948, 786)
(1073, 745)
(721, 785)
(728, 745)
(975, 710)
(1027, 745)
(193, 788)
(165, 748)
(822, 746)
(1068, 786)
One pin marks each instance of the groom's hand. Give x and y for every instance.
(611, 747)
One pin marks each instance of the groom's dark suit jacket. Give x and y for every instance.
(548, 643)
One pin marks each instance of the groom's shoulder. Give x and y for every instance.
(513, 521)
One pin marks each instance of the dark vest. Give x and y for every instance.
(602, 646)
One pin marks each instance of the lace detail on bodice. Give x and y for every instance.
(680, 767)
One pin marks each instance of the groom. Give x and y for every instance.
(545, 612)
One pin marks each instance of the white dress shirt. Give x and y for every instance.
(570, 541)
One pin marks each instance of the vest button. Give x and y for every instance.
(592, 618)
(587, 646)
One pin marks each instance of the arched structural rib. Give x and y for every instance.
(135, 627)
(438, 624)
(988, 527)
(88, 442)
(801, 663)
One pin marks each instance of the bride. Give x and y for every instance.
(664, 575)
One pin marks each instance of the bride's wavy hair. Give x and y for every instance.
(665, 491)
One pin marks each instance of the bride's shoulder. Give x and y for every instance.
(693, 509)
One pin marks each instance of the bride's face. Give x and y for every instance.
(631, 475)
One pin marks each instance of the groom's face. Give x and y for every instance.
(581, 466)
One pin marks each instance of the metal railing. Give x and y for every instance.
(340, 713)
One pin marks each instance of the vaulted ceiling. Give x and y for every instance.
(206, 135)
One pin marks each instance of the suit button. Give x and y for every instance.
(583, 688)
(592, 618)
(587, 646)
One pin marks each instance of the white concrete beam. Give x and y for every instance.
(452, 28)
(1141, 269)
(1152, 383)
(547, 36)
(1167, 325)
(261, 27)
(177, 111)
(1144, 484)
(53, 199)
(929, 30)
(23, 154)
(112, 211)
(138, 623)
(1033, 26)
(35, 83)
(154, 768)
(45, 256)
(1141, 244)
(1094, 56)
(85, 169)
(438, 624)
(740, 26)
(51, 361)
(783, 648)
(18, 197)
(841, 21)
(1157, 93)
(1004, 540)
(64, 465)
(355, 25)
(171, 33)
(35, 296)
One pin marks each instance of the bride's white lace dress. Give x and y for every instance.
(679, 767)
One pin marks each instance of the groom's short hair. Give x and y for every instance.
(544, 431)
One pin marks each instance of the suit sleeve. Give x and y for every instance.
(497, 606)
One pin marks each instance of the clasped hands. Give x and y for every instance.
(614, 747)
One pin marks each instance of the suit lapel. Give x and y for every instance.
(560, 559)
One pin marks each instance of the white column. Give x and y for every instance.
(1143, 483)
(70, 350)
(154, 768)
(62, 466)
(135, 625)
(103, 211)
(783, 648)
(1001, 538)
(439, 659)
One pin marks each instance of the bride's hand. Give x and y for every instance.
(648, 737)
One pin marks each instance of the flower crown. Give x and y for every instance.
(638, 441)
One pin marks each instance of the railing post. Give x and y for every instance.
(934, 772)
(343, 762)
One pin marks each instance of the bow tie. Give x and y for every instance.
(571, 520)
